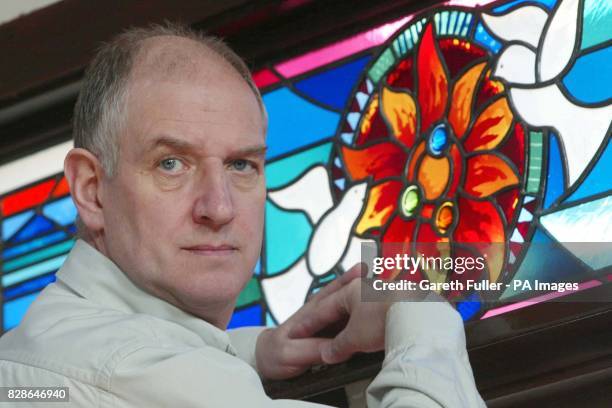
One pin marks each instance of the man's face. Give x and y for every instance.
(183, 216)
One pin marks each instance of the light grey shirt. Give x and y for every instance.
(114, 345)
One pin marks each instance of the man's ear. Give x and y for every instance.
(84, 175)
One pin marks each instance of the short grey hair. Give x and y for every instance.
(100, 110)
(99, 113)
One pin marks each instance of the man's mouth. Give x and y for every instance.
(214, 250)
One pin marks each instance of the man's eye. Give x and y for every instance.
(171, 164)
(242, 165)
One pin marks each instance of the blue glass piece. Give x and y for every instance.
(287, 235)
(10, 225)
(547, 263)
(555, 182)
(486, 39)
(61, 211)
(334, 86)
(284, 171)
(50, 265)
(32, 245)
(38, 225)
(596, 22)
(30, 286)
(469, 307)
(257, 269)
(443, 22)
(589, 80)
(270, 322)
(14, 310)
(249, 316)
(540, 237)
(599, 179)
(438, 140)
(295, 122)
(549, 4)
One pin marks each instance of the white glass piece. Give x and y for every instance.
(576, 226)
(353, 119)
(353, 252)
(581, 129)
(286, 293)
(587, 222)
(369, 86)
(330, 238)
(309, 193)
(346, 137)
(516, 64)
(525, 216)
(521, 24)
(559, 40)
(517, 237)
(362, 98)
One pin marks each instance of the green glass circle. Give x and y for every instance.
(411, 197)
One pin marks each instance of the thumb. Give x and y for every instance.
(338, 349)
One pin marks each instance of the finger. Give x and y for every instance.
(355, 272)
(339, 349)
(305, 352)
(315, 316)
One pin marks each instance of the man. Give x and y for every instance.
(168, 178)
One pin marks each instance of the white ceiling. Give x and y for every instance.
(12, 9)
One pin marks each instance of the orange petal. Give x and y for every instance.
(382, 202)
(487, 174)
(433, 176)
(416, 154)
(432, 80)
(379, 160)
(366, 122)
(461, 105)
(457, 169)
(480, 223)
(491, 127)
(400, 111)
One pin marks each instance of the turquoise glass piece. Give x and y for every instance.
(287, 235)
(282, 172)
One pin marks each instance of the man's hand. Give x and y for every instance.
(296, 345)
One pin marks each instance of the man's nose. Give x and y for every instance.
(214, 204)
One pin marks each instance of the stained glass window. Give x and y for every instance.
(455, 124)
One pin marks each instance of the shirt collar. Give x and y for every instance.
(96, 278)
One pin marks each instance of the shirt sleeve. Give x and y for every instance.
(158, 376)
(426, 362)
(244, 341)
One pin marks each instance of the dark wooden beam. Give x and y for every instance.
(56, 42)
(48, 49)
